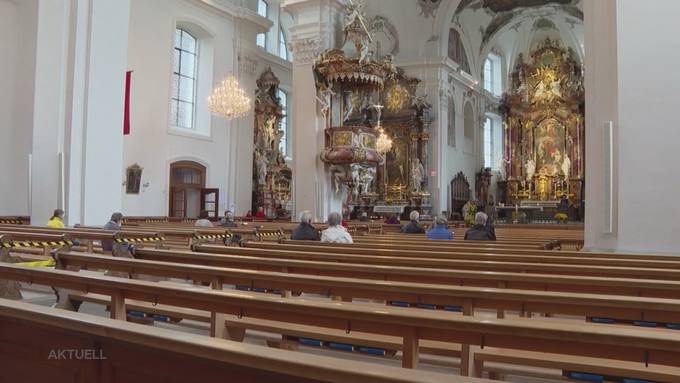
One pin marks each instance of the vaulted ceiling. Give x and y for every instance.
(510, 27)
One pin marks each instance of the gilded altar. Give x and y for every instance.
(272, 178)
(544, 126)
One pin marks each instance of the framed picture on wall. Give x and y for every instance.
(133, 179)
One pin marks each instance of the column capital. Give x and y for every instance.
(305, 50)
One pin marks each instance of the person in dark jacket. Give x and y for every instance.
(305, 231)
(413, 226)
(480, 231)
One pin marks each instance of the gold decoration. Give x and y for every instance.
(397, 97)
(342, 138)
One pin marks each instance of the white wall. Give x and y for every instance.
(17, 40)
(225, 150)
(646, 134)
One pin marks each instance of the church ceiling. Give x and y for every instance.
(492, 16)
(498, 6)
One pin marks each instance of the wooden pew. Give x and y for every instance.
(40, 344)
(556, 266)
(466, 298)
(480, 254)
(567, 363)
(629, 344)
(482, 247)
(528, 281)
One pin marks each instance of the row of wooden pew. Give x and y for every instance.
(434, 283)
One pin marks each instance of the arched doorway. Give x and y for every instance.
(188, 194)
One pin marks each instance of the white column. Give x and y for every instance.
(48, 111)
(314, 31)
(102, 171)
(630, 81)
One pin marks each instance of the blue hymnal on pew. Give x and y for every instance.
(137, 314)
(371, 350)
(644, 323)
(585, 376)
(400, 304)
(341, 346)
(603, 320)
(311, 342)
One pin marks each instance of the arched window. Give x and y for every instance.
(492, 74)
(183, 97)
(283, 50)
(283, 145)
(262, 10)
(493, 138)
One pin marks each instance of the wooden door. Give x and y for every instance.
(178, 203)
(210, 202)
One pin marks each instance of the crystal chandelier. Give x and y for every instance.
(229, 100)
(384, 143)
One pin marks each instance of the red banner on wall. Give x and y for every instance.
(126, 113)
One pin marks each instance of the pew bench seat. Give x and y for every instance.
(358, 339)
(500, 362)
(237, 327)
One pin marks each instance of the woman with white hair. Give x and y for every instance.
(441, 229)
(335, 232)
(305, 231)
(413, 226)
(480, 231)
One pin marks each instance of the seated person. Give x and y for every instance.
(114, 224)
(335, 233)
(440, 230)
(480, 231)
(260, 213)
(413, 226)
(203, 220)
(228, 220)
(57, 220)
(392, 220)
(305, 231)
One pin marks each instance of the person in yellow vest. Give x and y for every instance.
(57, 220)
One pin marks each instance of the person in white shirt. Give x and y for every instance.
(335, 232)
(203, 220)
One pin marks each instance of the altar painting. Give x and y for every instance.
(397, 163)
(549, 146)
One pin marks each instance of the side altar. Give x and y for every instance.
(544, 115)
(376, 128)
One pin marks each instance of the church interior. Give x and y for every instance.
(388, 191)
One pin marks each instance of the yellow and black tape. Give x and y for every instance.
(10, 222)
(139, 240)
(212, 236)
(269, 234)
(24, 244)
(47, 263)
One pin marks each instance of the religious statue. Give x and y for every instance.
(566, 167)
(378, 112)
(355, 29)
(366, 177)
(417, 175)
(350, 98)
(530, 168)
(502, 169)
(324, 99)
(261, 163)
